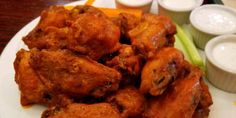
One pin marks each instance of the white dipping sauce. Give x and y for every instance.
(217, 21)
(134, 2)
(180, 4)
(225, 55)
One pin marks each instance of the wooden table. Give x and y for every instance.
(14, 14)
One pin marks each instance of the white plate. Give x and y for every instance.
(224, 103)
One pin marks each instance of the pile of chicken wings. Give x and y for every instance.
(84, 64)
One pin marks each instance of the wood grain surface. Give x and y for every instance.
(14, 14)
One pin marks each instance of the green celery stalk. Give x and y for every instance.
(180, 46)
(190, 47)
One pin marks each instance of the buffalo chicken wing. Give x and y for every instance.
(180, 100)
(152, 33)
(74, 75)
(161, 70)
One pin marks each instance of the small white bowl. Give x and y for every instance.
(178, 10)
(144, 5)
(209, 21)
(221, 62)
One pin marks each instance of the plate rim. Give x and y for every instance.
(14, 40)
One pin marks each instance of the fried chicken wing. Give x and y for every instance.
(126, 22)
(33, 91)
(51, 31)
(129, 101)
(31, 87)
(75, 110)
(90, 33)
(127, 62)
(153, 33)
(83, 29)
(180, 100)
(161, 70)
(74, 75)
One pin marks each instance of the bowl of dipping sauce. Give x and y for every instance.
(221, 62)
(178, 10)
(144, 5)
(209, 21)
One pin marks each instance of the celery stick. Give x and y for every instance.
(190, 47)
(180, 46)
(187, 32)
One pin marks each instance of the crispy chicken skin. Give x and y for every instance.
(90, 33)
(75, 110)
(202, 110)
(180, 100)
(51, 31)
(126, 22)
(129, 101)
(152, 33)
(83, 30)
(161, 70)
(33, 91)
(127, 62)
(78, 76)
(206, 99)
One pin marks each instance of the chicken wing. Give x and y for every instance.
(83, 29)
(90, 33)
(33, 91)
(180, 100)
(126, 22)
(128, 63)
(161, 70)
(129, 101)
(75, 110)
(72, 74)
(153, 33)
(51, 31)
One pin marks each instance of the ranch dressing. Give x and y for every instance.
(225, 55)
(134, 2)
(180, 4)
(216, 21)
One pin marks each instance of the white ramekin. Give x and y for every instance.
(145, 6)
(219, 75)
(201, 35)
(180, 16)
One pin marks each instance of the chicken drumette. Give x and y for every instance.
(161, 70)
(180, 99)
(152, 33)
